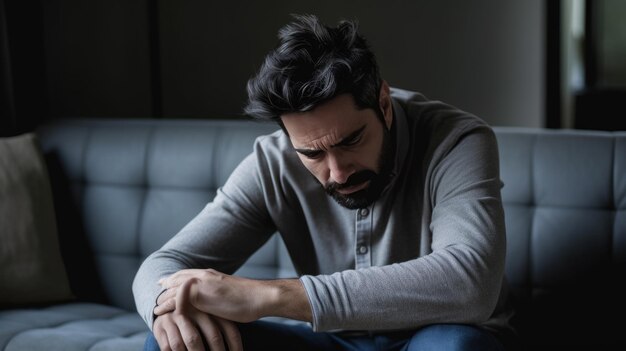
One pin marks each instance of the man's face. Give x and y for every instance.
(345, 148)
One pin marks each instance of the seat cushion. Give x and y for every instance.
(74, 326)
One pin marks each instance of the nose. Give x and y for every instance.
(340, 167)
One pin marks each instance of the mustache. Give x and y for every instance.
(355, 179)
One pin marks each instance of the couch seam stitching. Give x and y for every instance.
(142, 205)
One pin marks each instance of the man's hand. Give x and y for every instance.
(233, 298)
(186, 327)
(213, 292)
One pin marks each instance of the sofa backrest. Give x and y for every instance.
(133, 185)
(564, 196)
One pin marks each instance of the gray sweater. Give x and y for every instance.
(431, 249)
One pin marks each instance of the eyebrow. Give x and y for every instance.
(347, 140)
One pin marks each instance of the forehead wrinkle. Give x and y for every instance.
(324, 142)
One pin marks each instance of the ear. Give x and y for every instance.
(384, 101)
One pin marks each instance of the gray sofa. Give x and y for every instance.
(123, 187)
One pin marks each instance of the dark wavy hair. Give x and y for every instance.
(314, 63)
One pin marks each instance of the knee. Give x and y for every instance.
(151, 344)
(454, 337)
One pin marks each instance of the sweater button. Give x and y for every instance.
(362, 249)
(364, 212)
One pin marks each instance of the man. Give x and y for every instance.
(388, 203)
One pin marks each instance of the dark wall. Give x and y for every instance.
(23, 99)
(191, 59)
(98, 58)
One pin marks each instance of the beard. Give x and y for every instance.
(377, 180)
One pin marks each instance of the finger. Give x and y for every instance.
(165, 307)
(190, 334)
(178, 277)
(166, 295)
(174, 339)
(161, 337)
(166, 302)
(172, 281)
(183, 294)
(231, 334)
(211, 332)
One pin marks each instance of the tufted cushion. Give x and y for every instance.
(565, 200)
(618, 253)
(565, 196)
(123, 188)
(76, 326)
(137, 182)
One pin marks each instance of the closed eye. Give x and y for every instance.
(311, 154)
(352, 139)
(350, 142)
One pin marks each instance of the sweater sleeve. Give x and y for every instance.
(222, 236)
(458, 281)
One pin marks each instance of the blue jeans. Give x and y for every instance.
(263, 335)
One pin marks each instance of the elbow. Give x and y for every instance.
(483, 309)
(484, 284)
(481, 286)
(482, 299)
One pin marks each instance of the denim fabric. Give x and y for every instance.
(264, 336)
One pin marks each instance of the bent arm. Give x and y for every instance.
(458, 282)
(222, 236)
(232, 297)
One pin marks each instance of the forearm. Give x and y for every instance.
(445, 287)
(284, 298)
(202, 243)
(234, 298)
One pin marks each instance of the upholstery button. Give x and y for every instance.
(362, 249)
(364, 212)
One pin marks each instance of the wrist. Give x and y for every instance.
(285, 298)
